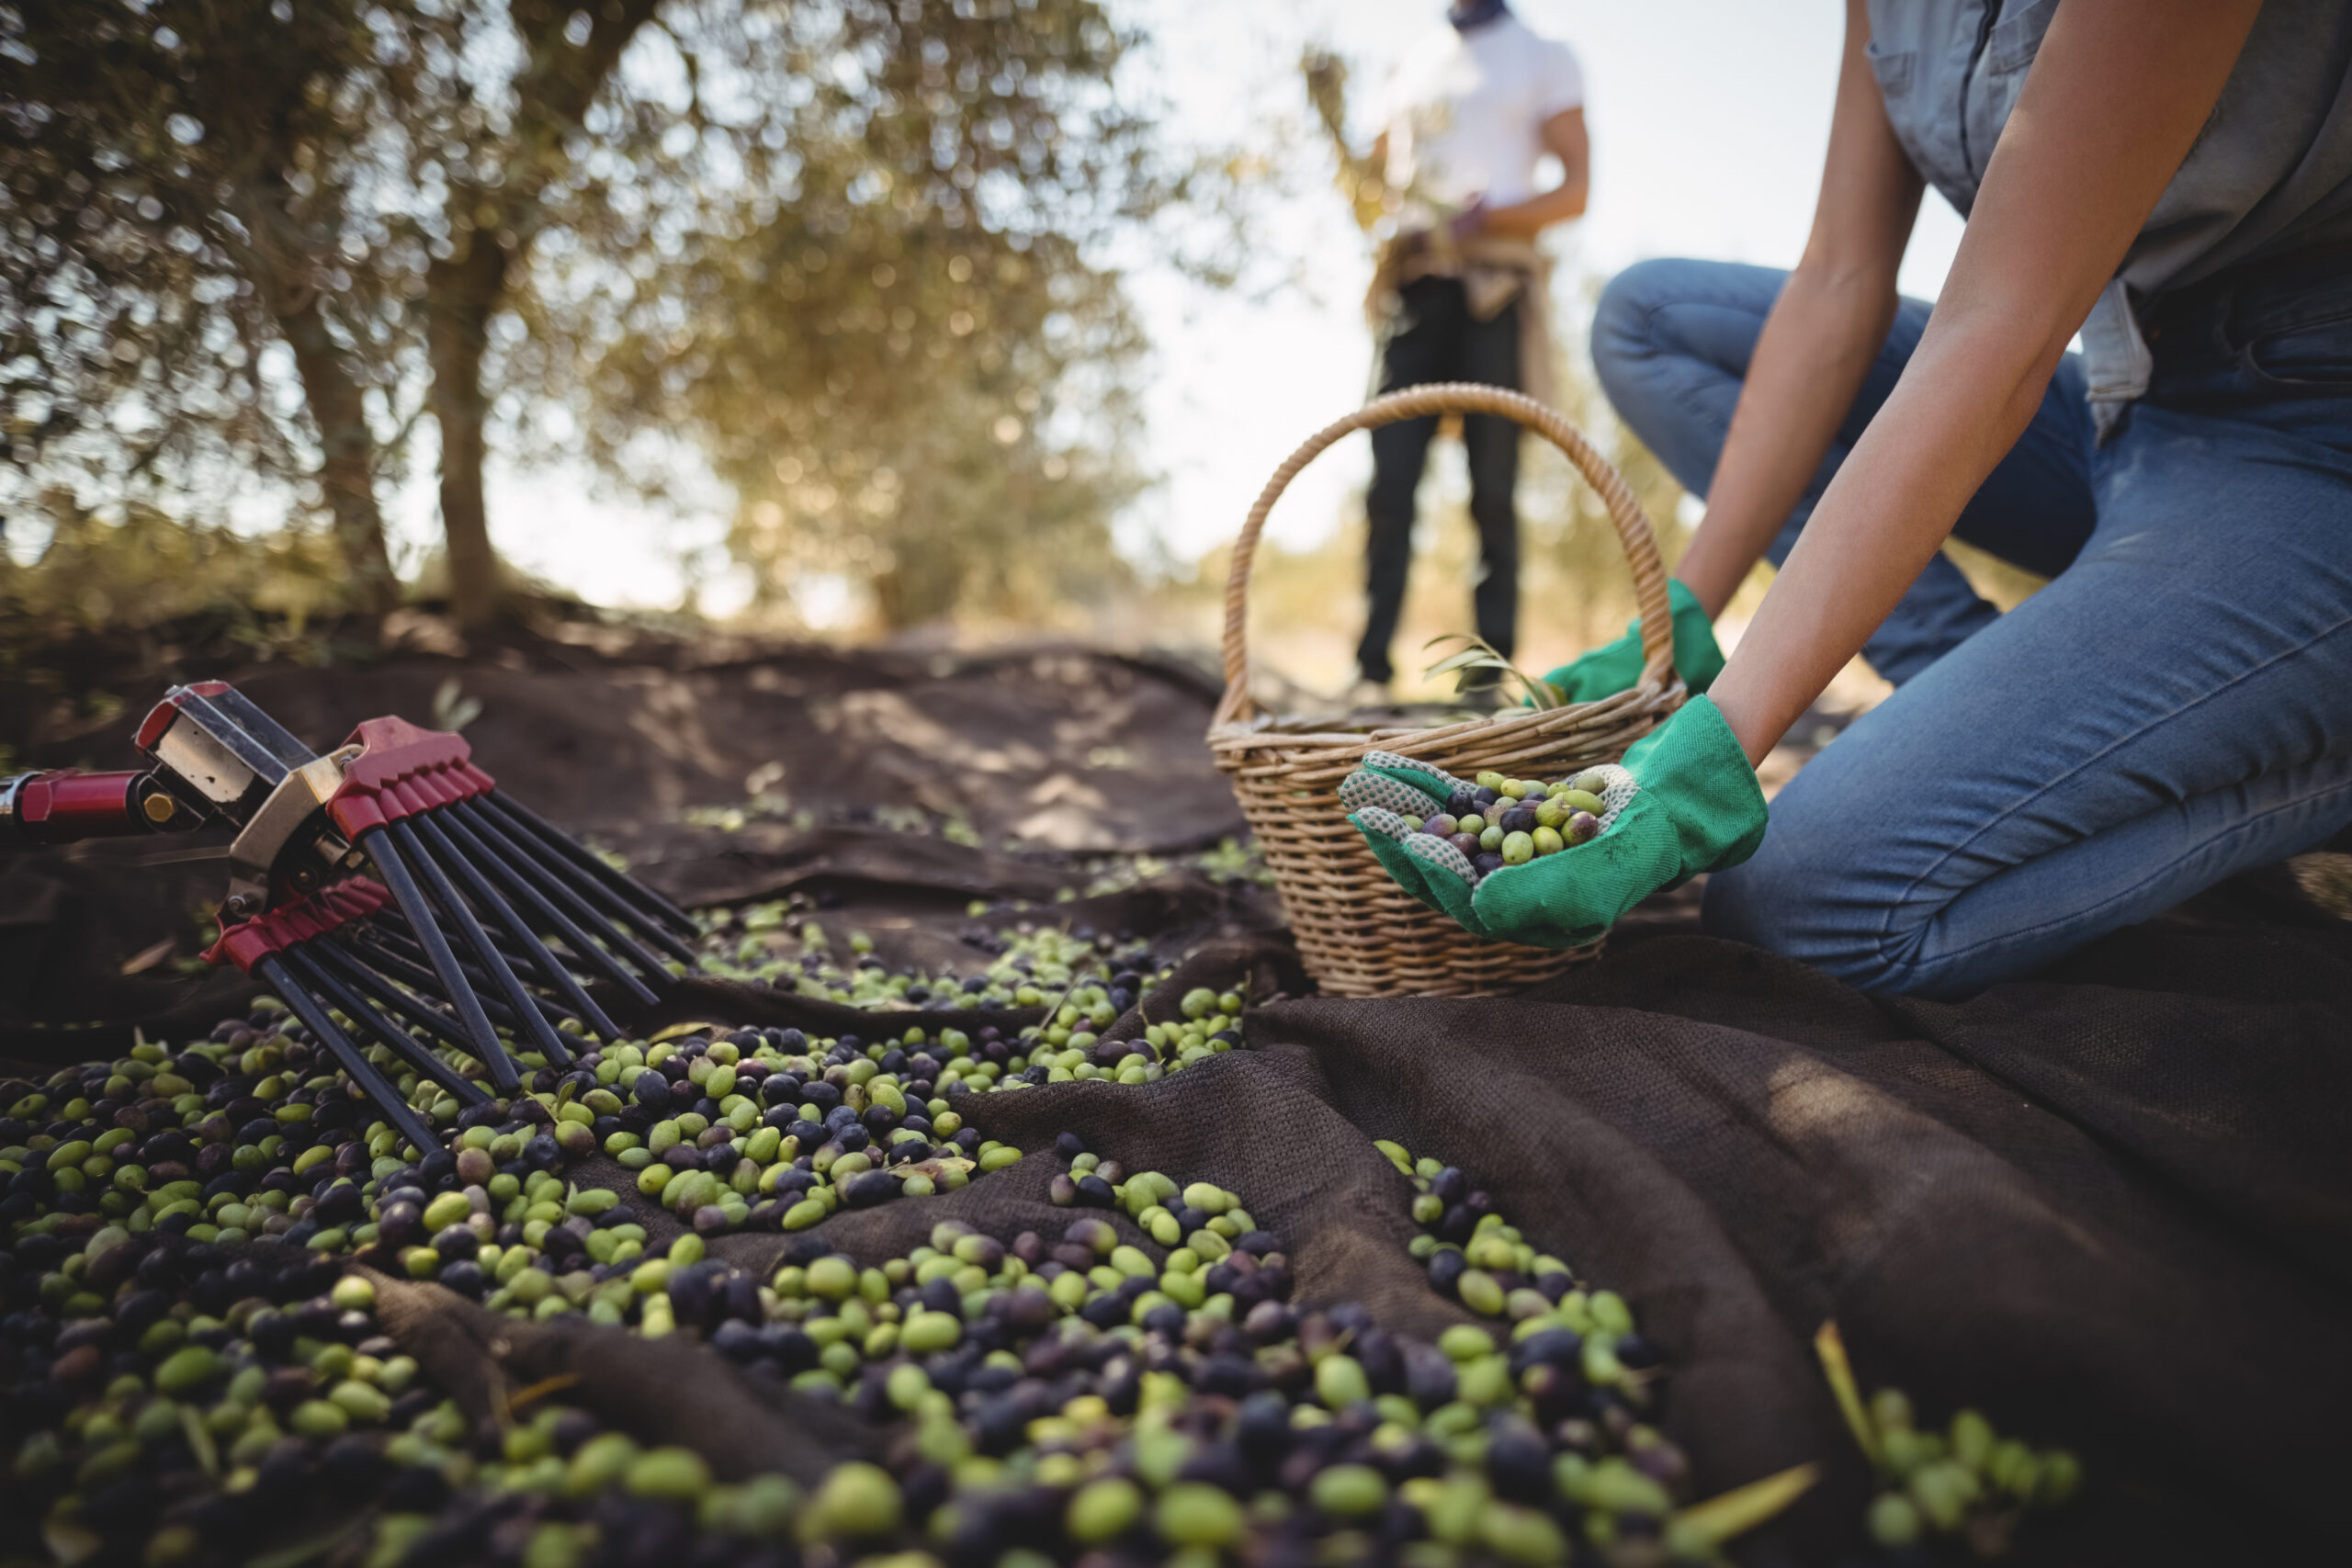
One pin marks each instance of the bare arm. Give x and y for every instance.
(1564, 138)
(1818, 342)
(2112, 105)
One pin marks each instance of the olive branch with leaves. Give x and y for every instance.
(1477, 654)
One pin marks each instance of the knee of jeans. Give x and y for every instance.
(1621, 319)
(1812, 907)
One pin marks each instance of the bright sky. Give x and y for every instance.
(1708, 121)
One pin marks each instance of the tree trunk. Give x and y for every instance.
(347, 455)
(462, 293)
(492, 227)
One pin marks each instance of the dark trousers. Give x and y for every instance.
(1437, 339)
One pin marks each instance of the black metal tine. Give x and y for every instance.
(398, 939)
(546, 878)
(395, 936)
(356, 972)
(649, 931)
(388, 955)
(596, 947)
(440, 850)
(578, 943)
(516, 955)
(519, 947)
(570, 995)
(388, 929)
(357, 1008)
(391, 869)
(383, 946)
(275, 973)
(589, 889)
(462, 915)
(580, 854)
(393, 917)
(655, 916)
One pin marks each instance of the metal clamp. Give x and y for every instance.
(289, 840)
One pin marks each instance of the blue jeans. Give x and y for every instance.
(2176, 706)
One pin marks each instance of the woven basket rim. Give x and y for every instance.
(1359, 932)
(1541, 724)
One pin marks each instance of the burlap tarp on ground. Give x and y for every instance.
(2111, 1207)
(2112, 1215)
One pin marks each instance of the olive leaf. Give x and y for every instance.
(1709, 1524)
(680, 1030)
(317, 1545)
(1478, 654)
(1830, 1345)
(199, 1440)
(452, 708)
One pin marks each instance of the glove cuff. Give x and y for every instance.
(1696, 770)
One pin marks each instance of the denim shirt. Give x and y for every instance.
(2270, 173)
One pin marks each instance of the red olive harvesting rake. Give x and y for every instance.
(390, 880)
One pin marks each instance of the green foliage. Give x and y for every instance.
(189, 188)
(148, 569)
(1477, 663)
(870, 296)
(849, 256)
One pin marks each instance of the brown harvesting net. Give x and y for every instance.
(2109, 1209)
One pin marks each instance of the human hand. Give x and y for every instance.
(1686, 801)
(1471, 221)
(1615, 667)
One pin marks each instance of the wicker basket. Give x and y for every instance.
(1361, 934)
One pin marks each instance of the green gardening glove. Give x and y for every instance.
(1686, 801)
(1615, 667)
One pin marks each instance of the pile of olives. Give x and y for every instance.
(190, 1375)
(173, 1317)
(1499, 822)
(1475, 1258)
(1965, 1481)
(1066, 1397)
(183, 1394)
(783, 944)
(211, 1398)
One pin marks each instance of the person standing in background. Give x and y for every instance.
(1459, 291)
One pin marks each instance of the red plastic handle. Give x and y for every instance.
(69, 805)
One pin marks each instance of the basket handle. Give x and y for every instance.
(1443, 398)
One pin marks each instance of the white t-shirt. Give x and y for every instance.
(1465, 111)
